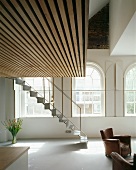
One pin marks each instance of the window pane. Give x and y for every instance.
(130, 108)
(95, 74)
(88, 108)
(97, 96)
(131, 79)
(130, 96)
(97, 108)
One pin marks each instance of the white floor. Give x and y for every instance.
(66, 154)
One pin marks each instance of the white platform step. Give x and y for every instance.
(83, 139)
(72, 127)
(76, 132)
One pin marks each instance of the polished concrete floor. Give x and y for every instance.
(66, 154)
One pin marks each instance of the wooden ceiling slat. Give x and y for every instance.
(32, 70)
(41, 19)
(31, 57)
(3, 74)
(79, 21)
(53, 29)
(20, 46)
(41, 34)
(72, 23)
(10, 66)
(12, 59)
(59, 27)
(25, 36)
(67, 31)
(43, 38)
(86, 16)
(12, 29)
(19, 53)
(17, 58)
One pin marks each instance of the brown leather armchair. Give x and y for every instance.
(116, 143)
(119, 163)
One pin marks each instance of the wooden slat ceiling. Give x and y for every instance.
(43, 38)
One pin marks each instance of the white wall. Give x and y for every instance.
(3, 136)
(6, 105)
(121, 12)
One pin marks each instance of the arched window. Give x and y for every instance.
(88, 92)
(130, 90)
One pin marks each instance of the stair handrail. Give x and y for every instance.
(67, 97)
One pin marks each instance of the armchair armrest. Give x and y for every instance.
(123, 138)
(112, 145)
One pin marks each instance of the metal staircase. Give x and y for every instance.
(70, 127)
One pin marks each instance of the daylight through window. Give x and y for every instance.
(130, 91)
(88, 92)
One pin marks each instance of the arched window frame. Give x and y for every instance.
(132, 91)
(101, 91)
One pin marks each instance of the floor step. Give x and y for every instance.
(26, 87)
(60, 116)
(68, 131)
(76, 132)
(72, 127)
(46, 105)
(19, 81)
(40, 100)
(33, 94)
(67, 123)
(63, 120)
(83, 139)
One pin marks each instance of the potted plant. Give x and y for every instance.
(13, 126)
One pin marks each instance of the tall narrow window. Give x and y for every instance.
(130, 91)
(88, 92)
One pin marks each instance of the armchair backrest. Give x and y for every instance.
(107, 133)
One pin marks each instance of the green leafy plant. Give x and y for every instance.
(13, 126)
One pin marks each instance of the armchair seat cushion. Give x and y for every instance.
(124, 146)
(125, 149)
